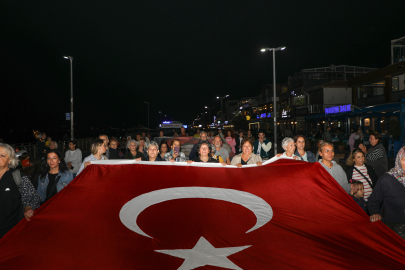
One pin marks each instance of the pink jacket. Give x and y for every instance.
(231, 142)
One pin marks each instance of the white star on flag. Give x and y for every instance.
(203, 253)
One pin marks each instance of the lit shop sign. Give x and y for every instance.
(338, 109)
(167, 122)
(263, 115)
(285, 114)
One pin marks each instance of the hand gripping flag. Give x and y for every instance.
(284, 215)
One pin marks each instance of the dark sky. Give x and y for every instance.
(177, 55)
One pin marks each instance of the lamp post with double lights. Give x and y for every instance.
(71, 95)
(222, 106)
(274, 92)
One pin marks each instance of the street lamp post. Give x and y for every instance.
(274, 92)
(71, 94)
(148, 113)
(222, 106)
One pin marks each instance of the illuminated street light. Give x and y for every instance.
(274, 92)
(70, 58)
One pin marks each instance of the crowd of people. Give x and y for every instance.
(378, 191)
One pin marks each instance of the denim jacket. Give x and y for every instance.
(65, 178)
(310, 156)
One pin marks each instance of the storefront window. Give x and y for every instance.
(383, 125)
(370, 90)
(398, 83)
(357, 121)
(374, 123)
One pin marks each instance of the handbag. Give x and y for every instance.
(368, 181)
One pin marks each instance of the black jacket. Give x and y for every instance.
(388, 193)
(237, 146)
(370, 170)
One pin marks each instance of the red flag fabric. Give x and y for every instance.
(284, 215)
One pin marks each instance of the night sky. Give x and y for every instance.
(177, 55)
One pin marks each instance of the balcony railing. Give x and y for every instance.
(364, 102)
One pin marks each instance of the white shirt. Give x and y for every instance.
(259, 148)
(292, 157)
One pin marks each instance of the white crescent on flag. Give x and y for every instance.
(131, 210)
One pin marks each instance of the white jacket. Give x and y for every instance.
(75, 157)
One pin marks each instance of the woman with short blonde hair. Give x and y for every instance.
(16, 202)
(98, 148)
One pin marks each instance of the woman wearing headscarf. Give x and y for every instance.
(54, 175)
(389, 195)
(18, 197)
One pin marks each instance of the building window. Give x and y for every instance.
(371, 90)
(398, 83)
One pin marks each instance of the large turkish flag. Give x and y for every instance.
(284, 215)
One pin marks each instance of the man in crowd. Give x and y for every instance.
(288, 132)
(197, 135)
(219, 151)
(183, 132)
(262, 146)
(106, 141)
(238, 148)
(300, 131)
(327, 136)
(145, 138)
(41, 145)
(203, 137)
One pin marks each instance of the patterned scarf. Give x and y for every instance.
(398, 172)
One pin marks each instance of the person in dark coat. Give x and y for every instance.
(238, 140)
(153, 152)
(114, 152)
(376, 154)
(390, 193)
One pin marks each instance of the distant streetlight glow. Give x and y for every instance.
(70, 58)
(222, 106)
(274, 91)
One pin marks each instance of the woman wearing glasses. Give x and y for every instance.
(359, 171)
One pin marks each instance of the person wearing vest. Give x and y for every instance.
(262, 146)
(54, 175)
(18, 197)
(376, 154)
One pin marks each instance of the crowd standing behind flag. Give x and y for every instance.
(369, 189)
